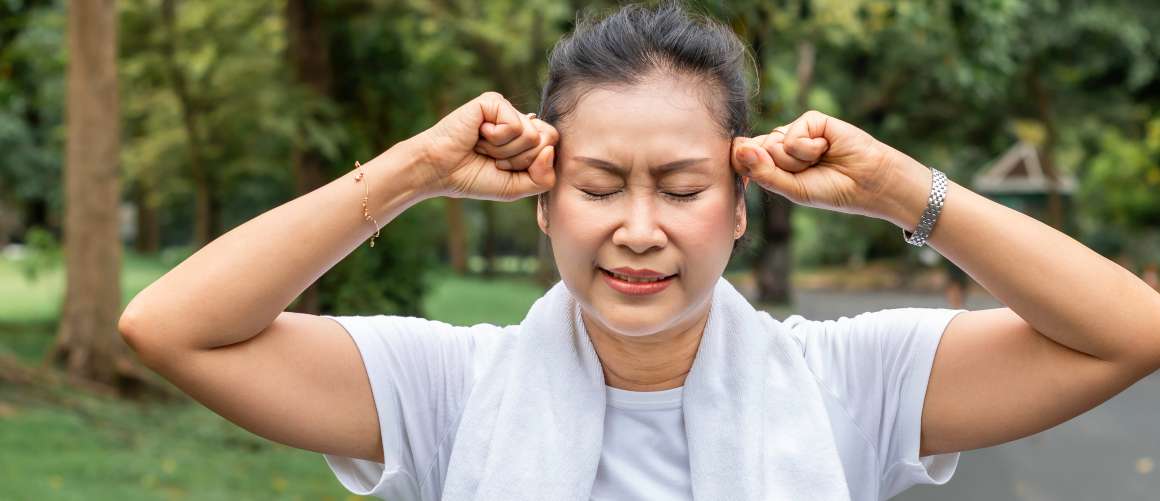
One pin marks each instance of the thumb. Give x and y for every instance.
(754, 161)
(539, 177)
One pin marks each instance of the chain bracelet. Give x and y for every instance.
(938, 195)
(366, 196)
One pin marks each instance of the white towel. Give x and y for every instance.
(755, 421)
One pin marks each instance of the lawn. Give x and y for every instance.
(61, 443)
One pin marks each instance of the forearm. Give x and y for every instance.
(1064, 290)
(235, 286)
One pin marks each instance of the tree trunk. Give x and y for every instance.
(88, 345)
(205, 218)
(490, 237)
(1047, 149)
(457, 250)
(308, 52)
(148, 220)
(775, 263)
(456, 235)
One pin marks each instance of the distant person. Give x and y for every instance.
(643, 373)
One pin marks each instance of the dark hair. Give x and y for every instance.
(636, 42)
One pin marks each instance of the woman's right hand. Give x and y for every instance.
(488, 150)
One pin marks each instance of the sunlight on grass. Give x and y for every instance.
(469, 300)
(79, 446)
(22, 300)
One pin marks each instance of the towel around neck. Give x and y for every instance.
(756, 425)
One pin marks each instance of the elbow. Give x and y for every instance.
(129, 327)
(135, 333)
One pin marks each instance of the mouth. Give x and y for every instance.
(636, 279)
(636, 285)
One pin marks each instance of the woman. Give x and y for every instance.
(641, 157)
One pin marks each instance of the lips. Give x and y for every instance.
(637, 276)
(639, 283)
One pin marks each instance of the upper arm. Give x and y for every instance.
(996, 379)
(300, 382)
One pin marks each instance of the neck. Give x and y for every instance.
(655, 362)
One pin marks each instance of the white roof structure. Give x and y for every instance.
(1019, 171)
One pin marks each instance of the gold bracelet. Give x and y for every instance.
(366, 195)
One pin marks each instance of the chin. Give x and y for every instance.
(627, 320)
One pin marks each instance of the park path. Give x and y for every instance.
(1109, 453)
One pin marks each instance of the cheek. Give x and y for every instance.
(577, 231)
(703, 226)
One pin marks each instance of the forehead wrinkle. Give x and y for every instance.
(657, 170)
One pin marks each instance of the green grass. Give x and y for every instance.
(62, 443)
(469, 300)
(77, 446)
(39, 301)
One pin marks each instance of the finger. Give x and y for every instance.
(815, 124)
(774, 143)
(807, 149)
(784, 160)
(767, 141)
(529, 138)
(551, 134)
(501, 121)
(752, 159)
(538, 178)
(548, 136)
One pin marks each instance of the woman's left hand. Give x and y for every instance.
(820, 161)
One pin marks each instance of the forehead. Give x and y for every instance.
(653, 120)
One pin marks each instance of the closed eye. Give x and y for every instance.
(682, 197)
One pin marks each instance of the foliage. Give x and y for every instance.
(952, 84)
(31, 102)
(41, 253)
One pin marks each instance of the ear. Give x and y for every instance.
(542, 216)
(741, 214)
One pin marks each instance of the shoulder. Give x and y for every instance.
(868, 326)
(869, 347)
(416, 335)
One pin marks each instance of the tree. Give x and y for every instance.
(308, 53)
(87, 343)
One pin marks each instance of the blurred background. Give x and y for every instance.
(134, 132)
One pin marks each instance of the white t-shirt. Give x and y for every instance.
(872, 371)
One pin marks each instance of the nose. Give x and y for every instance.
(640, 229)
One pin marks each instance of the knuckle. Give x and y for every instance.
(492, 95)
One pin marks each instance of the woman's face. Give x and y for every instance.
(643, 182)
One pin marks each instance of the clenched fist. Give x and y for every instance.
(821, 161)
(488, 150)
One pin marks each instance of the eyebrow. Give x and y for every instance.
(657, 170)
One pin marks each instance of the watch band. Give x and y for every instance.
(934, 205)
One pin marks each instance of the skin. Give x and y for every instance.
(615, 140)
(1079, 328)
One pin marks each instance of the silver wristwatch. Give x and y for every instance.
(934, 204)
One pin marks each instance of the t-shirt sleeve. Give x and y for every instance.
(419, 372)
(879, 364)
